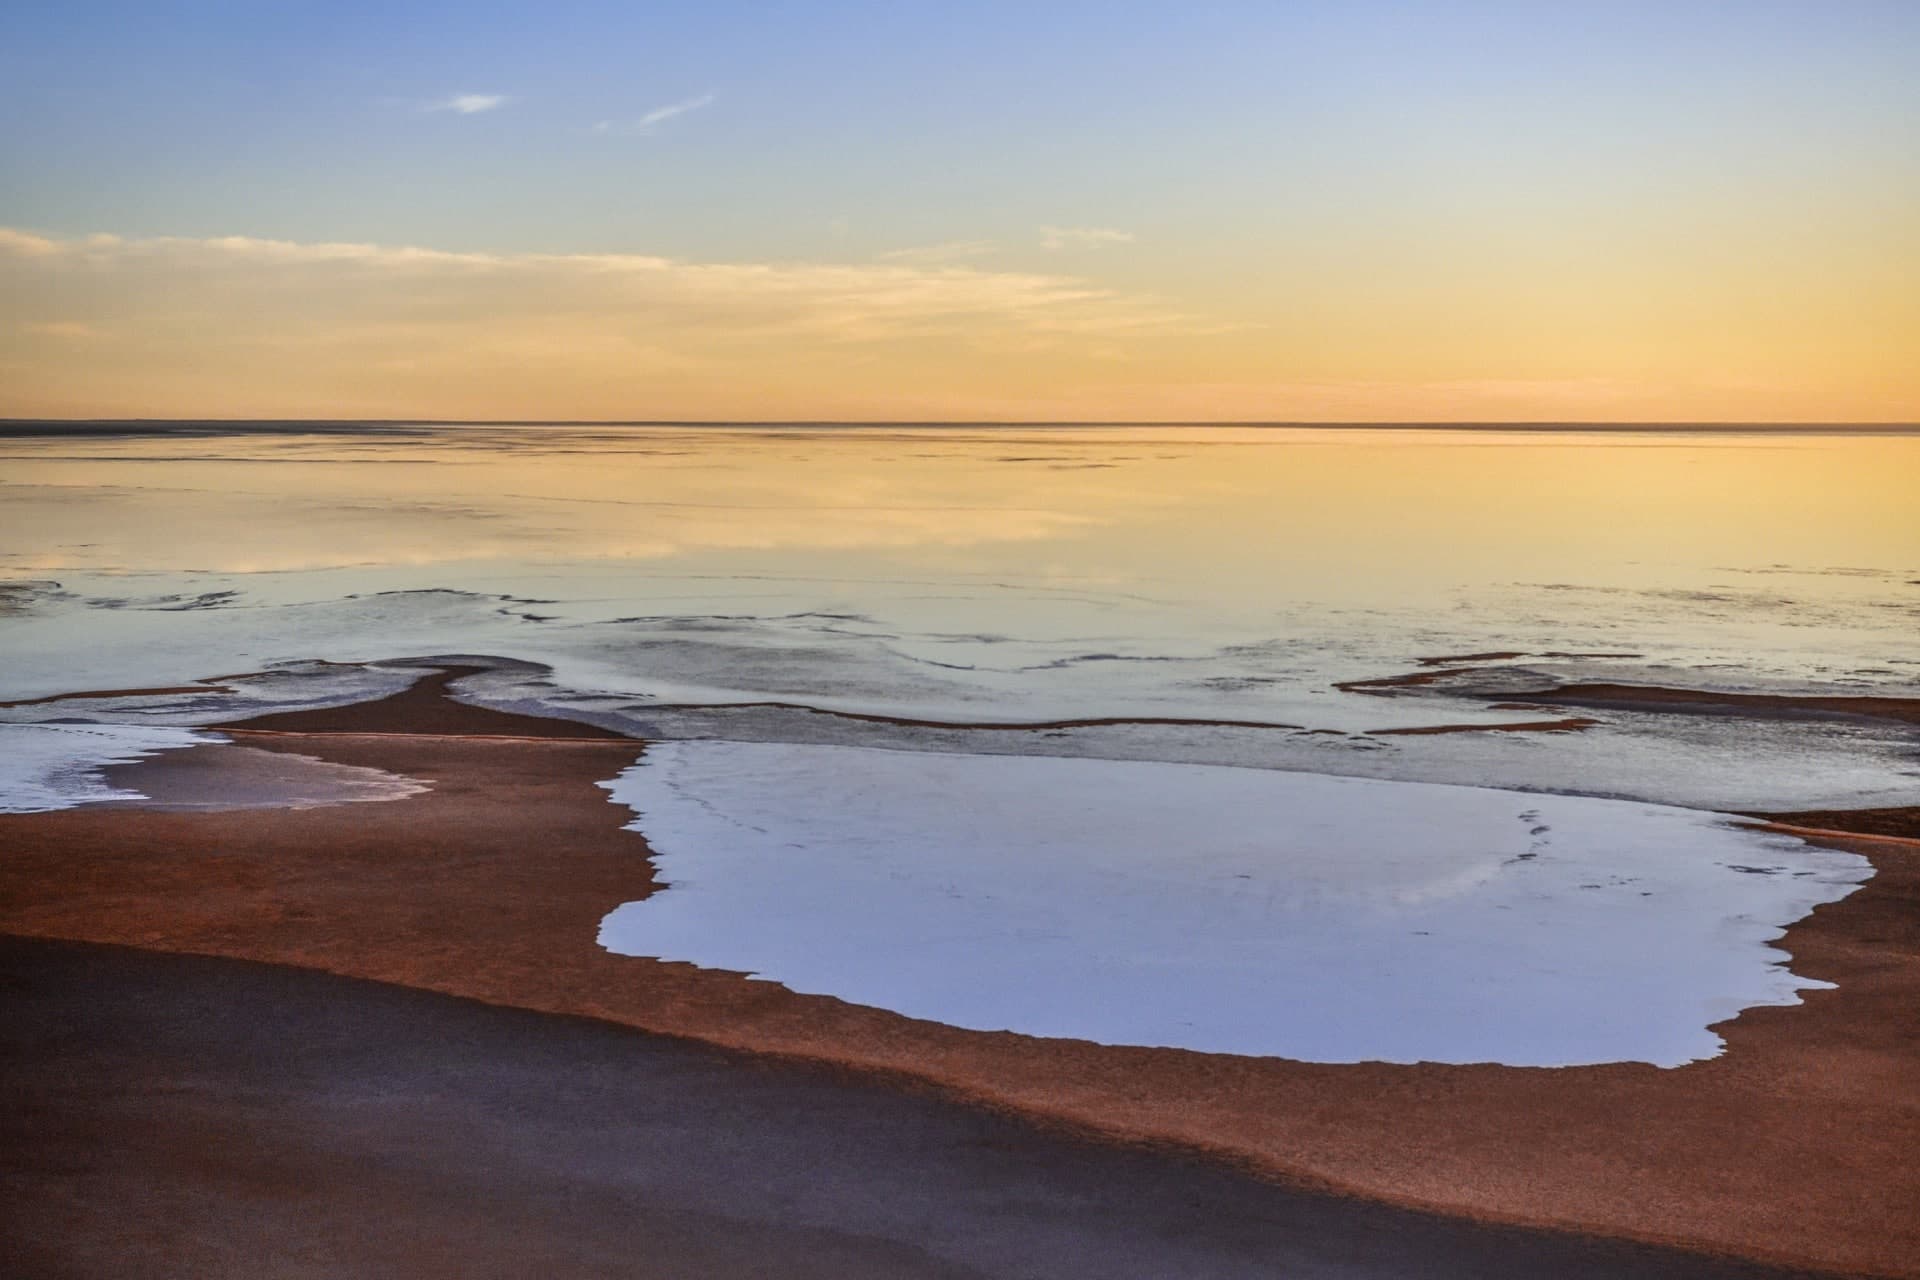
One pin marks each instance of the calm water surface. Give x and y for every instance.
(1135, 604)
(1011, 575)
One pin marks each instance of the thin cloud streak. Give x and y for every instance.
(468, 104)
(653, 119)
(68, 329)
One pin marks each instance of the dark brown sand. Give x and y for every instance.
(1505, 655)
(157, 692)
(1382, 686)
(1898, 822)
(1572, 724)
(1458, 659)
(182, 1116)
(1901, 823)
(1795, 1146)
(909, 722)
(1640, 697)
(1645, 697)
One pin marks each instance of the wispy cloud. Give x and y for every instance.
(1083, 237)
(945, 251)
(468, 104)
(285, 325)
(72, 330)
(653, 119)
(672, 109)
(838, 301)
(25, 244)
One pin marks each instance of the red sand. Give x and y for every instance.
(1795, 1146)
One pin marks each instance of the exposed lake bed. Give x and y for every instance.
(1296, 858)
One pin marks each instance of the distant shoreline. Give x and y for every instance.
(75, 426)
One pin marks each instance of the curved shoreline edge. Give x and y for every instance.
(1802, 1124)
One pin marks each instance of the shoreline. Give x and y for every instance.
(1803, 1109)
(1900, 826)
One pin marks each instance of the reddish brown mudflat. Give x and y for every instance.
(1648, 697)
(1571, 724)
(272, 1121)
(1794, 1147)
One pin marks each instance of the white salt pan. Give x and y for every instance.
(57, 766)
(1219, 909)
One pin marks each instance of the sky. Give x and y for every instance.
(1696, 210)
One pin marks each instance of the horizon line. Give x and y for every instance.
(1515, 424)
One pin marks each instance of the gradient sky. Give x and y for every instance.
(1258, 211)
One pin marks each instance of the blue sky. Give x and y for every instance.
(902, 123)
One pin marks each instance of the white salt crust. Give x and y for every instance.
(1225, 910)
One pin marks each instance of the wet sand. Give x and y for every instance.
(1794, 1147)
(228, 776)
(1457, 683)
(911, 722)
(1571, 724)
(1506, 655)
(275, 1122)
(1646, 697)
(161, 691)
(1900, 823)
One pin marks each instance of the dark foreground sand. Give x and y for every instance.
(1795, 1147)
(179, 1116)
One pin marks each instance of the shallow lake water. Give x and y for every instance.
(1150, 596)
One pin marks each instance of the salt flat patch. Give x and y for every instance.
(58, 766)
(1227, 910)
(960, 649)
(223, 776)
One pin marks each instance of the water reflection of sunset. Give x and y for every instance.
(1233, 506)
